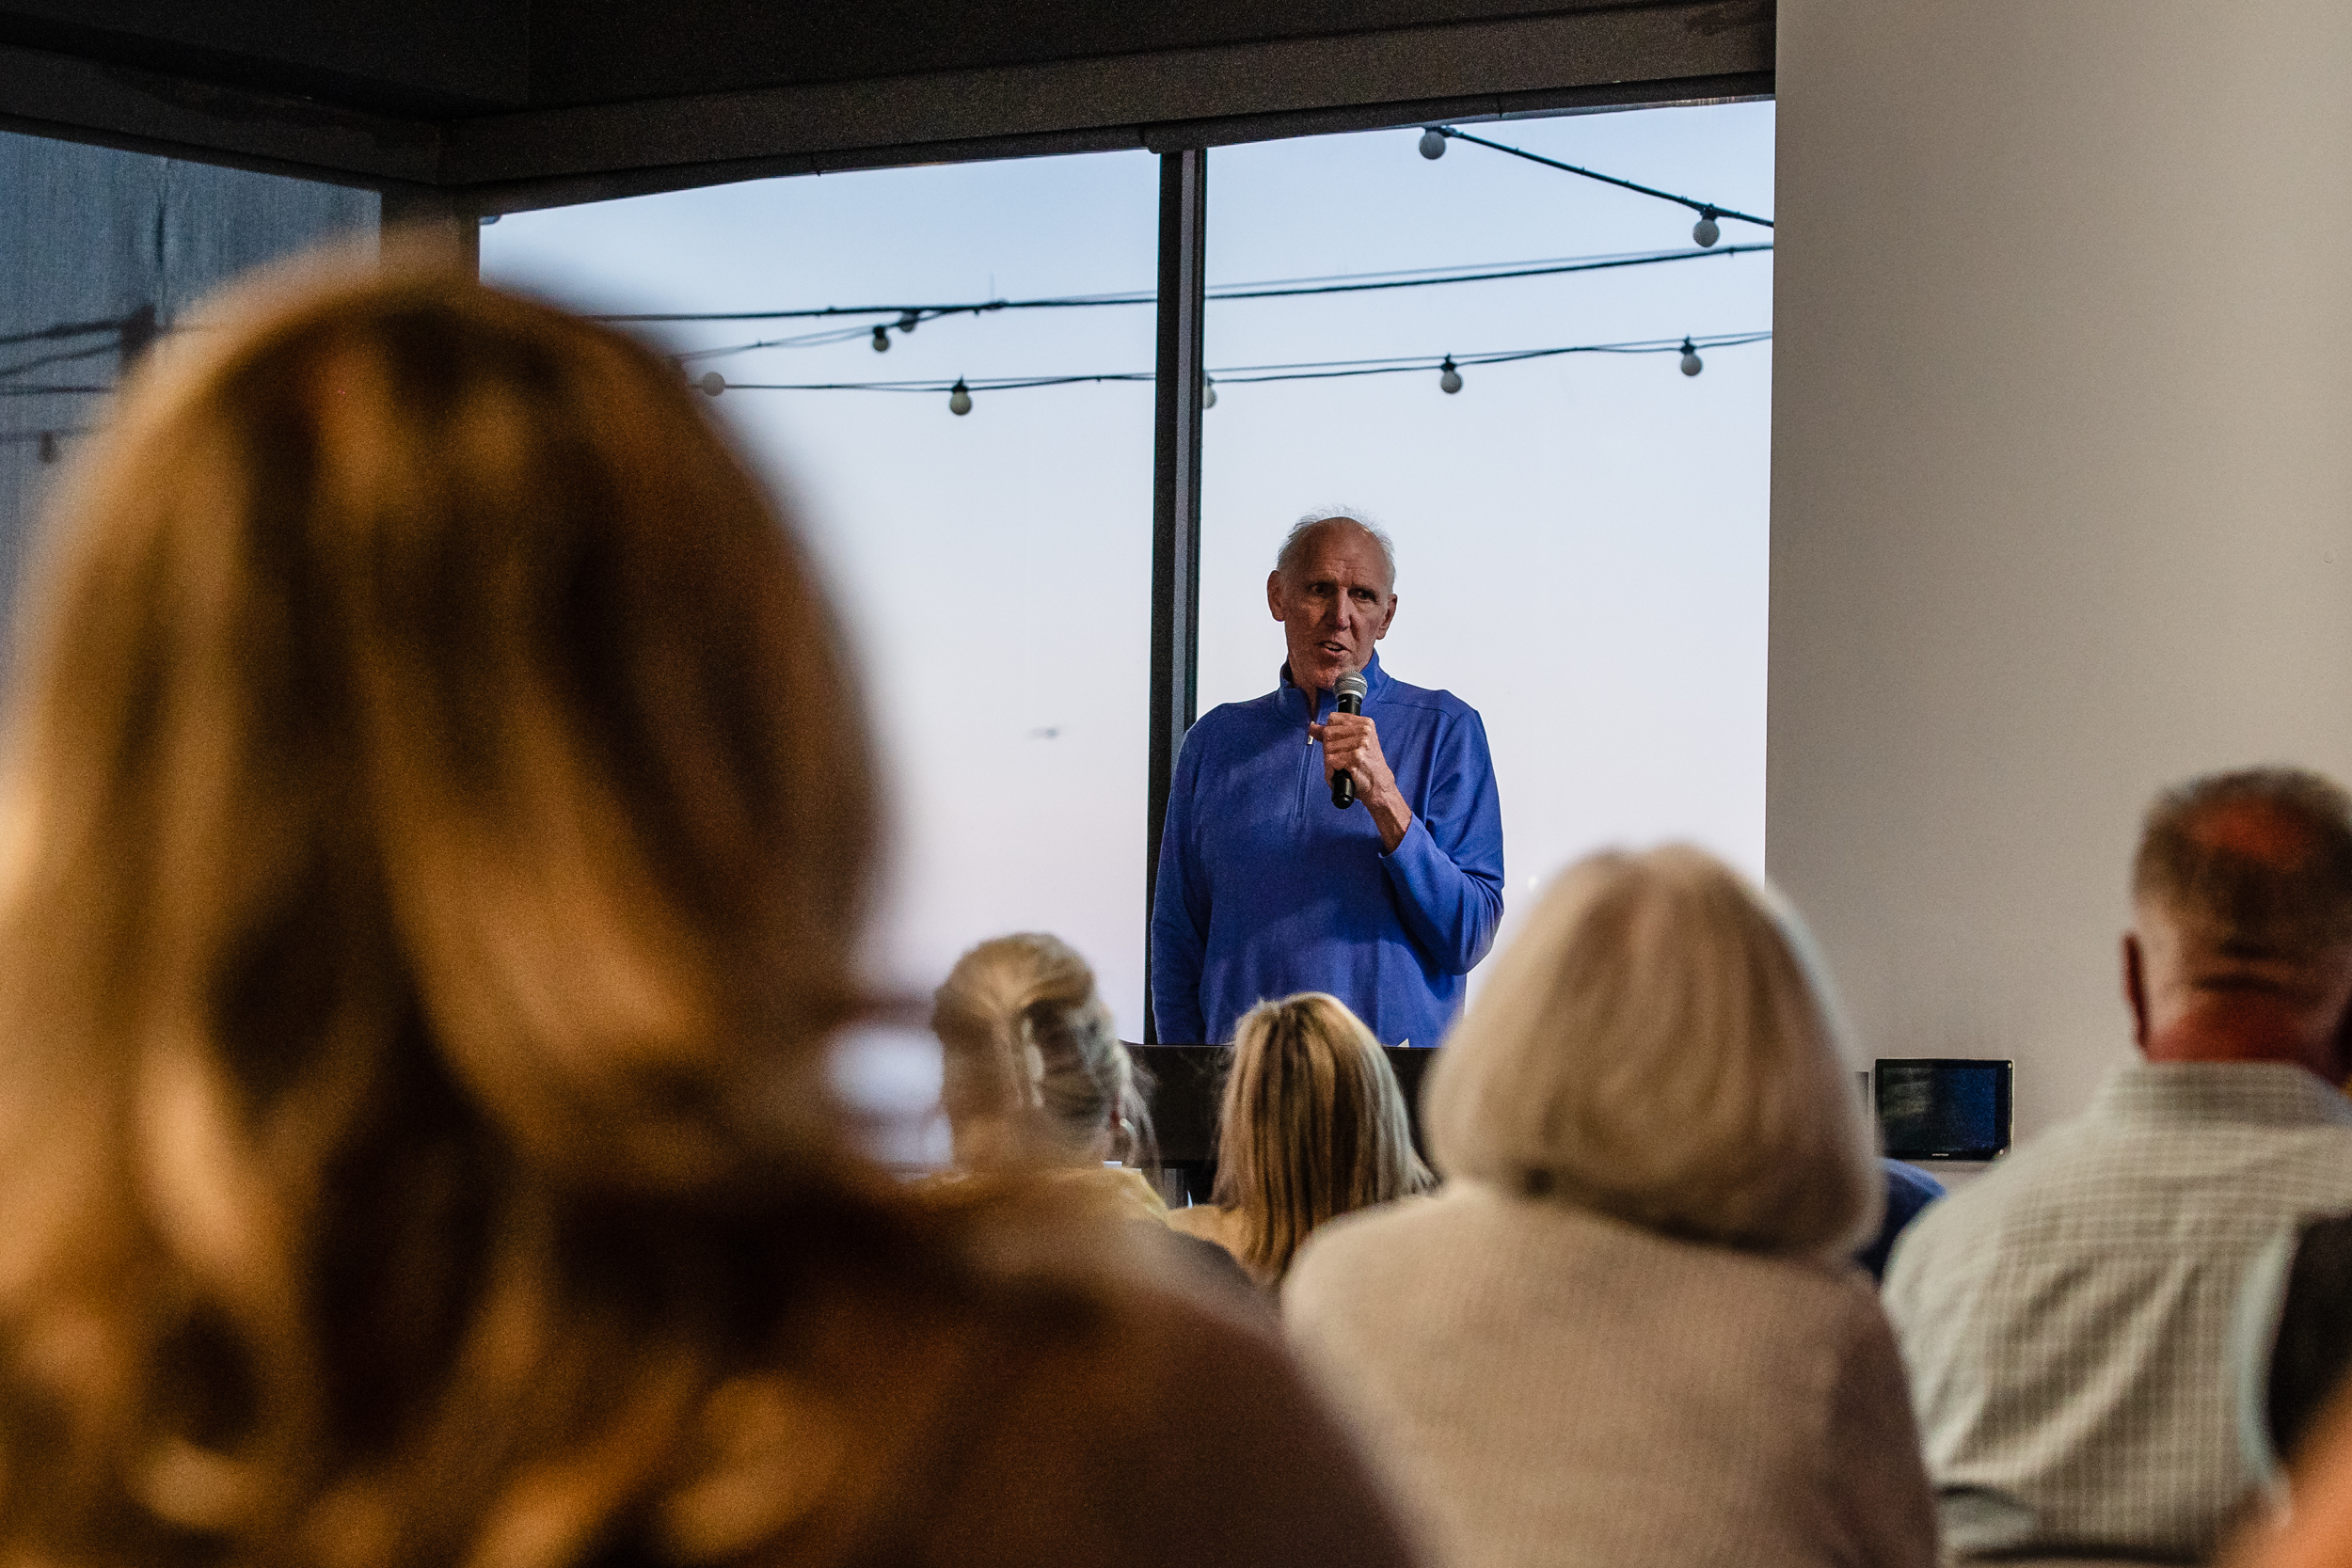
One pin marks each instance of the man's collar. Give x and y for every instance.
(2276, 1094)
(1374, 678)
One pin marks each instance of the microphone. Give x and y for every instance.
(1350, 689)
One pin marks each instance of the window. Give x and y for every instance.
(105, 251)
(1582, 537)
(994, 566)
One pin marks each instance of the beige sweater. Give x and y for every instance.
(1544, 1385)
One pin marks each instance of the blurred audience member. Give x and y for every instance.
(1909, 1190)
(1036, 1076)
(1039, 1091)
(2292, 1342)
(434, 833)
(1312, 1127)
(2316, 1531)
(1628, 1331)
(2064, 1316)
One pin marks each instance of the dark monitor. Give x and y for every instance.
(1944, 1107)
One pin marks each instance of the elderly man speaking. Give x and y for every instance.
(1266, 887)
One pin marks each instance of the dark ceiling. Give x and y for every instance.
(514, 102)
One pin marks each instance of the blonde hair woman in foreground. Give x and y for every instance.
(438, 821)
(1637, 1275)
(1312, 1127)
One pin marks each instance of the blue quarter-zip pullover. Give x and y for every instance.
(1267, 889)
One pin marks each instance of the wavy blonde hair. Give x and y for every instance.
(433, 835)
(1312, 1127)
(1035, 1070)
(1659, 1044)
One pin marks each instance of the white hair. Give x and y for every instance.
(1660, 1045)
(1315, 519)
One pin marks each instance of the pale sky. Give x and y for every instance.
(1582, 541)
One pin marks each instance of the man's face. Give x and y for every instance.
(1334, 604)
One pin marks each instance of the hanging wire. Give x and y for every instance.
(1307, 370)
(910, 316)
(1708, 211)
(1325, 283)
(63, 329)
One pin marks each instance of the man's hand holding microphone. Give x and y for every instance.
(1353, 766)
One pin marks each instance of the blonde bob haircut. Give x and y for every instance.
(1658, 1045)
(1312, 1127)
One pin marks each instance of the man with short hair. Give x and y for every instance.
(1265, 888)
(2063, 1317)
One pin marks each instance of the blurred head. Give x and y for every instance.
(1658, 1046)
(433, 842)
(1035, 1071)
(2241, 945)
(1334, 590)
(1312, 1127)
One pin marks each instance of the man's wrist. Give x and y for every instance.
(1391, 816)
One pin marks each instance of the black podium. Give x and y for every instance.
(1184, 1084)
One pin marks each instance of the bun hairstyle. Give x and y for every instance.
(1313, 1126)
(1035, 1070)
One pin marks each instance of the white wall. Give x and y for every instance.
(2063, 456)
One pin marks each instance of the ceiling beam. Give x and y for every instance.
(1673, 52)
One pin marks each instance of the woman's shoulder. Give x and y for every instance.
(1210, 1223)
(1459, 1214)
(1086, 1382)
(1470, 1230)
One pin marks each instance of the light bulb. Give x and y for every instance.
(881, 340)
(1691, 363)
(712, 383)
(909, 320)
(958, 398)
(1433, 143)
(1449, 379)
(1704, 232)
(1208, 393)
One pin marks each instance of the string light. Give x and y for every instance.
(1707, 211)
(881, 340)
(712, 383)
(909, 320)
(1433, 143)
(1704, 233)
(1447, 366)
(1208, 391)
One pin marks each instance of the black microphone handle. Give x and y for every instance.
(1344, 784)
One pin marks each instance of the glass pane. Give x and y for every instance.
(994, 566)
(103, 250)
(1582, 538)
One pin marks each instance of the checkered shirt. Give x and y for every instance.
(2063, 1317)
